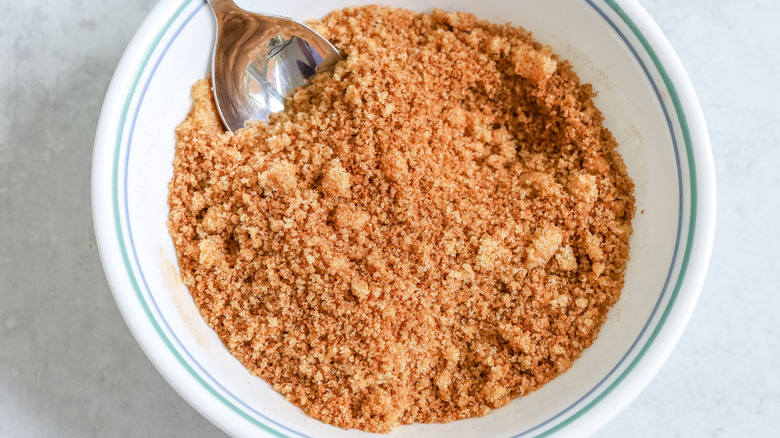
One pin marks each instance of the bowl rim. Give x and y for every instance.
(608, 404)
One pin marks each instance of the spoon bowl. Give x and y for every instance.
(259, 59)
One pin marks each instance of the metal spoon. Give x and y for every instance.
(260, 59)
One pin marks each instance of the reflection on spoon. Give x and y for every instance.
(259, 60)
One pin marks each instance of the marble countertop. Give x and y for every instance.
(69, 366)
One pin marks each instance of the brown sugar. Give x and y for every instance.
(436, 228)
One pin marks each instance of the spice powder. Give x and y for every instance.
(436, 228)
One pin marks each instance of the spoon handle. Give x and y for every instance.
(220, 7)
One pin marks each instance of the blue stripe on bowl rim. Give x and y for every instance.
(185, 12)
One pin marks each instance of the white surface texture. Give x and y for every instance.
(69, 366)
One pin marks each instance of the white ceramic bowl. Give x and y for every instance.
(649, 105)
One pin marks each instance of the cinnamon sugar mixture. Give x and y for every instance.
(435, 229)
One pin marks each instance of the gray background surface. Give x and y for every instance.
(69, 366)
